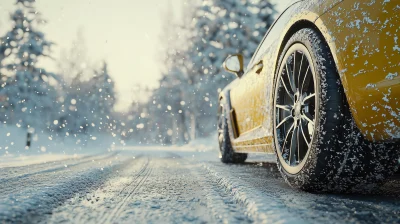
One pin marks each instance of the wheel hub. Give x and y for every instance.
(297, 108)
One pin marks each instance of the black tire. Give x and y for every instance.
(226, 151)
(338, 159)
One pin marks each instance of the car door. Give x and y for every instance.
(251, 98)
(246, 98)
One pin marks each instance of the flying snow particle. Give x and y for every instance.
(8, 134)
(170, 132)
(55, 122)
(391, 76)
(43, 149)
(183, 103)
(73, 101)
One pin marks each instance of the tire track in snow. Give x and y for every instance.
(135, 184)
(221, 205)
(39, 180)
(260, 207)
(30, 205)
(268, 199)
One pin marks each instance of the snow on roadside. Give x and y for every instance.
(204, 144)
(209, 144)
(46, 147)
(14, 161)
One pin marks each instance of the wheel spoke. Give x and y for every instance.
(301, 65)
(290, 78)
(298, 144)
(308, 118)
(291, 95)
(308, 97)
(284, 107)
(283, 121)
(293, 146)
(306, 83)
(294, 71)
(302, 126)
(287, 136)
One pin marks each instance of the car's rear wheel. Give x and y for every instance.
(227, 153)
(317, 144)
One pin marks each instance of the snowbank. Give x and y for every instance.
(47, 147)
(204, 144)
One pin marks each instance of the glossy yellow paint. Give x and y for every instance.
(363, 35)
(363, 38)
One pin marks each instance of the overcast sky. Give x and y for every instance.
(125, 33)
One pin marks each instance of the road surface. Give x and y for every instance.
(161, 186)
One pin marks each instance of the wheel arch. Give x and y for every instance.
(302, 24)
(225, 103)
(319, 26)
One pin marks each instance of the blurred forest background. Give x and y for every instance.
(78, 101)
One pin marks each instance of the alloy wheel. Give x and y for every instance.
(295, 108)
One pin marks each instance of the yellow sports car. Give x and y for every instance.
(321, 92)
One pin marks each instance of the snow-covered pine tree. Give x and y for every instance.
(103, 98)
(75, 108)
(74, 61)
(31, 95)
(5, 51)
(175, 82)
(73, 65)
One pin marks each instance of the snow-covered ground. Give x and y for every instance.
(176, 184)
(47, 147)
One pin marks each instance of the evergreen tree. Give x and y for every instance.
(75, 113)
(31, 95)
(102, 97)
(74, 61)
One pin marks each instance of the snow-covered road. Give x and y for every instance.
(161, 186)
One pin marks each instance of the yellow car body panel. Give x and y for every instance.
(370, 93)
(364, 38)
